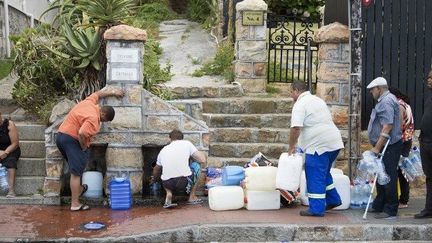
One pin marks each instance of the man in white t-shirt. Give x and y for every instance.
(177, 175)
(313, 128)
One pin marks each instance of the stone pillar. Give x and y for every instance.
(250, 45)
(124, 51)
(333, 74)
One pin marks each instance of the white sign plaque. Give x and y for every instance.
(125, 74)
(124, 55)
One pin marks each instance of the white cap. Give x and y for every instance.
(380, 81)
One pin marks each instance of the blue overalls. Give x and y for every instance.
(320, 187)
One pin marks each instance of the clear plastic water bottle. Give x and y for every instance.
(355, 197)
(4, 185)
(415, 159)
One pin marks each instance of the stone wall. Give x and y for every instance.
(142, 119)
(251, 48)
(333, 77)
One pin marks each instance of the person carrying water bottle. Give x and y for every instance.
(74, 136)
(426, 149)
(172, 166)
(317, 135)
(407, 127)
(384, 125)
(9, 151)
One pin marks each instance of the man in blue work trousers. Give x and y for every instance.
(313, 128)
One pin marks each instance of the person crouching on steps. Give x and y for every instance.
(318, 136)
(172, 166)
(74, 136)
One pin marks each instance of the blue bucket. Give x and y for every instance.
(120, 193)
(232, 175)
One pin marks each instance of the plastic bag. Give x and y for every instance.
(213, 177)
(370, 165)
(4, 185)
(258, 160)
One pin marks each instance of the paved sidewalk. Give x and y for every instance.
(199, 223)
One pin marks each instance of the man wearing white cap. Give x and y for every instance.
(385, 125)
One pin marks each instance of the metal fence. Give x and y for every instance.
(292, 54)
(397, 45)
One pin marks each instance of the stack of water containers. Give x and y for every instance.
(411, 166)
(261, 193)
(342, 185)
(120, 193)
(230, 196)
(4, 185)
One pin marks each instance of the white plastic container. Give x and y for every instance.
(262, 200)
(94, 180)
(342, 184)
(335, 171)
(261, 178)
(303, 190)
(289, 172)
(226, 198)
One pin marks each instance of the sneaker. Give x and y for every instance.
(383, 215)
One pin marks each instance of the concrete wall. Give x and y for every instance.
(34, 7)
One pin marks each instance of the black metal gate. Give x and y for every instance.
(397, 45)
(292, 54)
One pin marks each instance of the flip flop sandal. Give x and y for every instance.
(83, 207)
(169, 205)
(195, 202)
(11, 195)
(84, 189)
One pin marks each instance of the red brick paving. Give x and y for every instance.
(47, 222)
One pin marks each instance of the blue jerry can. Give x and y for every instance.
(120, 193)
(232, 175)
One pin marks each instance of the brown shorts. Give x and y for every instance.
(177, 184)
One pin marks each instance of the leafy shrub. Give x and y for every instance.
(153, 73)
(309, 6)
(198, 10)
(43, 75)
(222, 64)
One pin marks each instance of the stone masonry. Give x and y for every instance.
(251, 48)
(333, 75)
(141, 120)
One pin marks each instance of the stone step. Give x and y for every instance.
(249, 135)
(248, 120)
(35, 199)
(247, 105)
(212, 91)
(29, 185)
(213, 161)
(247, 150)
(31, 131)
(32, 149)
(31, 167)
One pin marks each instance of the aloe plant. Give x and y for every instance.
(106, 13)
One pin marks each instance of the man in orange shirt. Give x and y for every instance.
(75, 134)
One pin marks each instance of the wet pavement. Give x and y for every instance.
(18, 222)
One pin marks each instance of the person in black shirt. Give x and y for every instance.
(426, 149)
(9, 151)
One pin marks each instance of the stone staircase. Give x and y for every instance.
(31, 165)
(243, 126)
